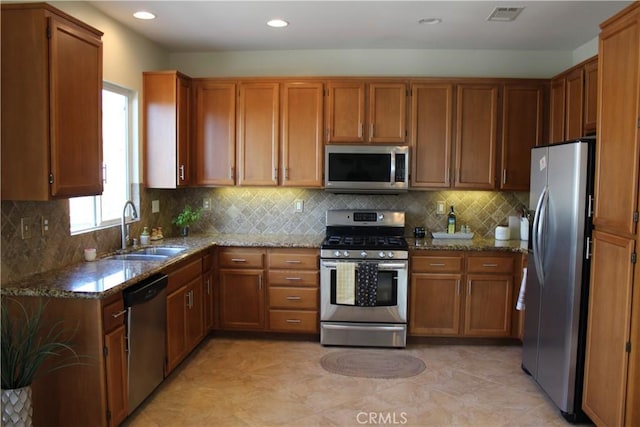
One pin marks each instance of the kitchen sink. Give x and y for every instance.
(157, 253)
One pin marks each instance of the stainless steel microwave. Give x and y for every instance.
(380, 169)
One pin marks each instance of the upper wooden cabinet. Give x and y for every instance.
(522, 124)
(167, 129)
(573, 102)
(51, 104)
(215, 132)
(431, 130)
(476, 136)
(382, 121)
(258, 130)
(301, 134)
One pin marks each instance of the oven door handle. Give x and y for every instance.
(354, 327)
(381, 266)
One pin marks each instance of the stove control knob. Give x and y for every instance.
(381, 254)
(337, 254)
(390, 254)
(363, 254)
(345, 253)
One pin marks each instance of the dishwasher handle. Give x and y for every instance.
(145, 290)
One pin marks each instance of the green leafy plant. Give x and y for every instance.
(28, 340)
(187, 217)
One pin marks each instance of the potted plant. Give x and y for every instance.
(186, 218)
(28, 340)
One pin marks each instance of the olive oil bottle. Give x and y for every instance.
(451, 222)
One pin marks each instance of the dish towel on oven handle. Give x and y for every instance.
(523, 290)
(346, 283)
(367, 281)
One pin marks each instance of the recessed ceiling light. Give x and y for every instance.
(277, 23)
(430, 21)
(142, 14)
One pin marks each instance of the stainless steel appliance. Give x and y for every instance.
(146, 306)
(369, 308)
(366, 169)
(558, 271)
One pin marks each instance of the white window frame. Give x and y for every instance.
(99, 223)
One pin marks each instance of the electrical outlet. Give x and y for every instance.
(155, 206)
(25, 227)
(298, 205)
(206, 204)
(44, 225)
(440, 207)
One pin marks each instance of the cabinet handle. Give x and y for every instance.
(360, 130)
(504, 176)
(293, 261)
(118, 314)
(371, 131)
(260, 282)
(104, 173)
(286, 173)
(293, 321)
(182, 172)
(458, 286)
(187, 300)
(469, 288)
(293, 298)
(231, 173)
(437, 264)
(489, 265)
(275, 174)
(238, 260)
(208, 287)
(293, 278)
(446, 173)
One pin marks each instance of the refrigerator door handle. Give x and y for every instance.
(538, 223)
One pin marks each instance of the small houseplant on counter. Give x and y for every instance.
(28, 340)
(186, 218)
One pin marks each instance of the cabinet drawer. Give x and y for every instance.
(437, 264)
(294, 259)
(481, 264)
(184, 274)
(241, 258)
(293, 278)
(303, 298)
(113, 315)
(293, 321)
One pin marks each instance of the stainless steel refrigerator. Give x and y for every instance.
(557, 282)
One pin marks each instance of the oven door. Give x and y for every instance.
(391, 305)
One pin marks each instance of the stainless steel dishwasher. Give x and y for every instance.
(146, 305)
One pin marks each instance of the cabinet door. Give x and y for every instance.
(209, 300)
(488, 305)
(215, 133)
(345, 111)
(387, 113)
(618, 147)
(302, 124)
(116, 372)
(75, 111)
(242, 299)
(522, 117)
(557, 110)
(258, 125)
(574, 104)
(590, 96)
(183, 161)
(435, 304)
(194, 313)
(610, 293)
(476, 132)
(431, 125)
(176, 326)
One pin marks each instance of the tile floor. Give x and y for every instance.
(260, 382)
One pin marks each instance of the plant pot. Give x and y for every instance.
(185, 231)
(16, 407)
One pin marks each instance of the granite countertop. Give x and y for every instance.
(104, 277)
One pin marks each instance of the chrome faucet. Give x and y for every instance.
(125, 226)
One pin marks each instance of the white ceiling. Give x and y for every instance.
(208, 26)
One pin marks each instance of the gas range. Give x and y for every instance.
(364, 234)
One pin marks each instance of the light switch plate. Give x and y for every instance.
(155, 206)
(298, 205)
(206, 204)
(25, 228)
(440, 207)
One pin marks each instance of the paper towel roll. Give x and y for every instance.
(502, 232)
(514, 227)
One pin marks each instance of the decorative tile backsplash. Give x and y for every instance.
(234, 210)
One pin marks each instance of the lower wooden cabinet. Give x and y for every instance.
(456, 293)
(208, 277)
(115, 360)
(185, 311)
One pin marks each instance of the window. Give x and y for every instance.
(93, 212)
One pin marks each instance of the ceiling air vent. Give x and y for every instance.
(505, 14)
